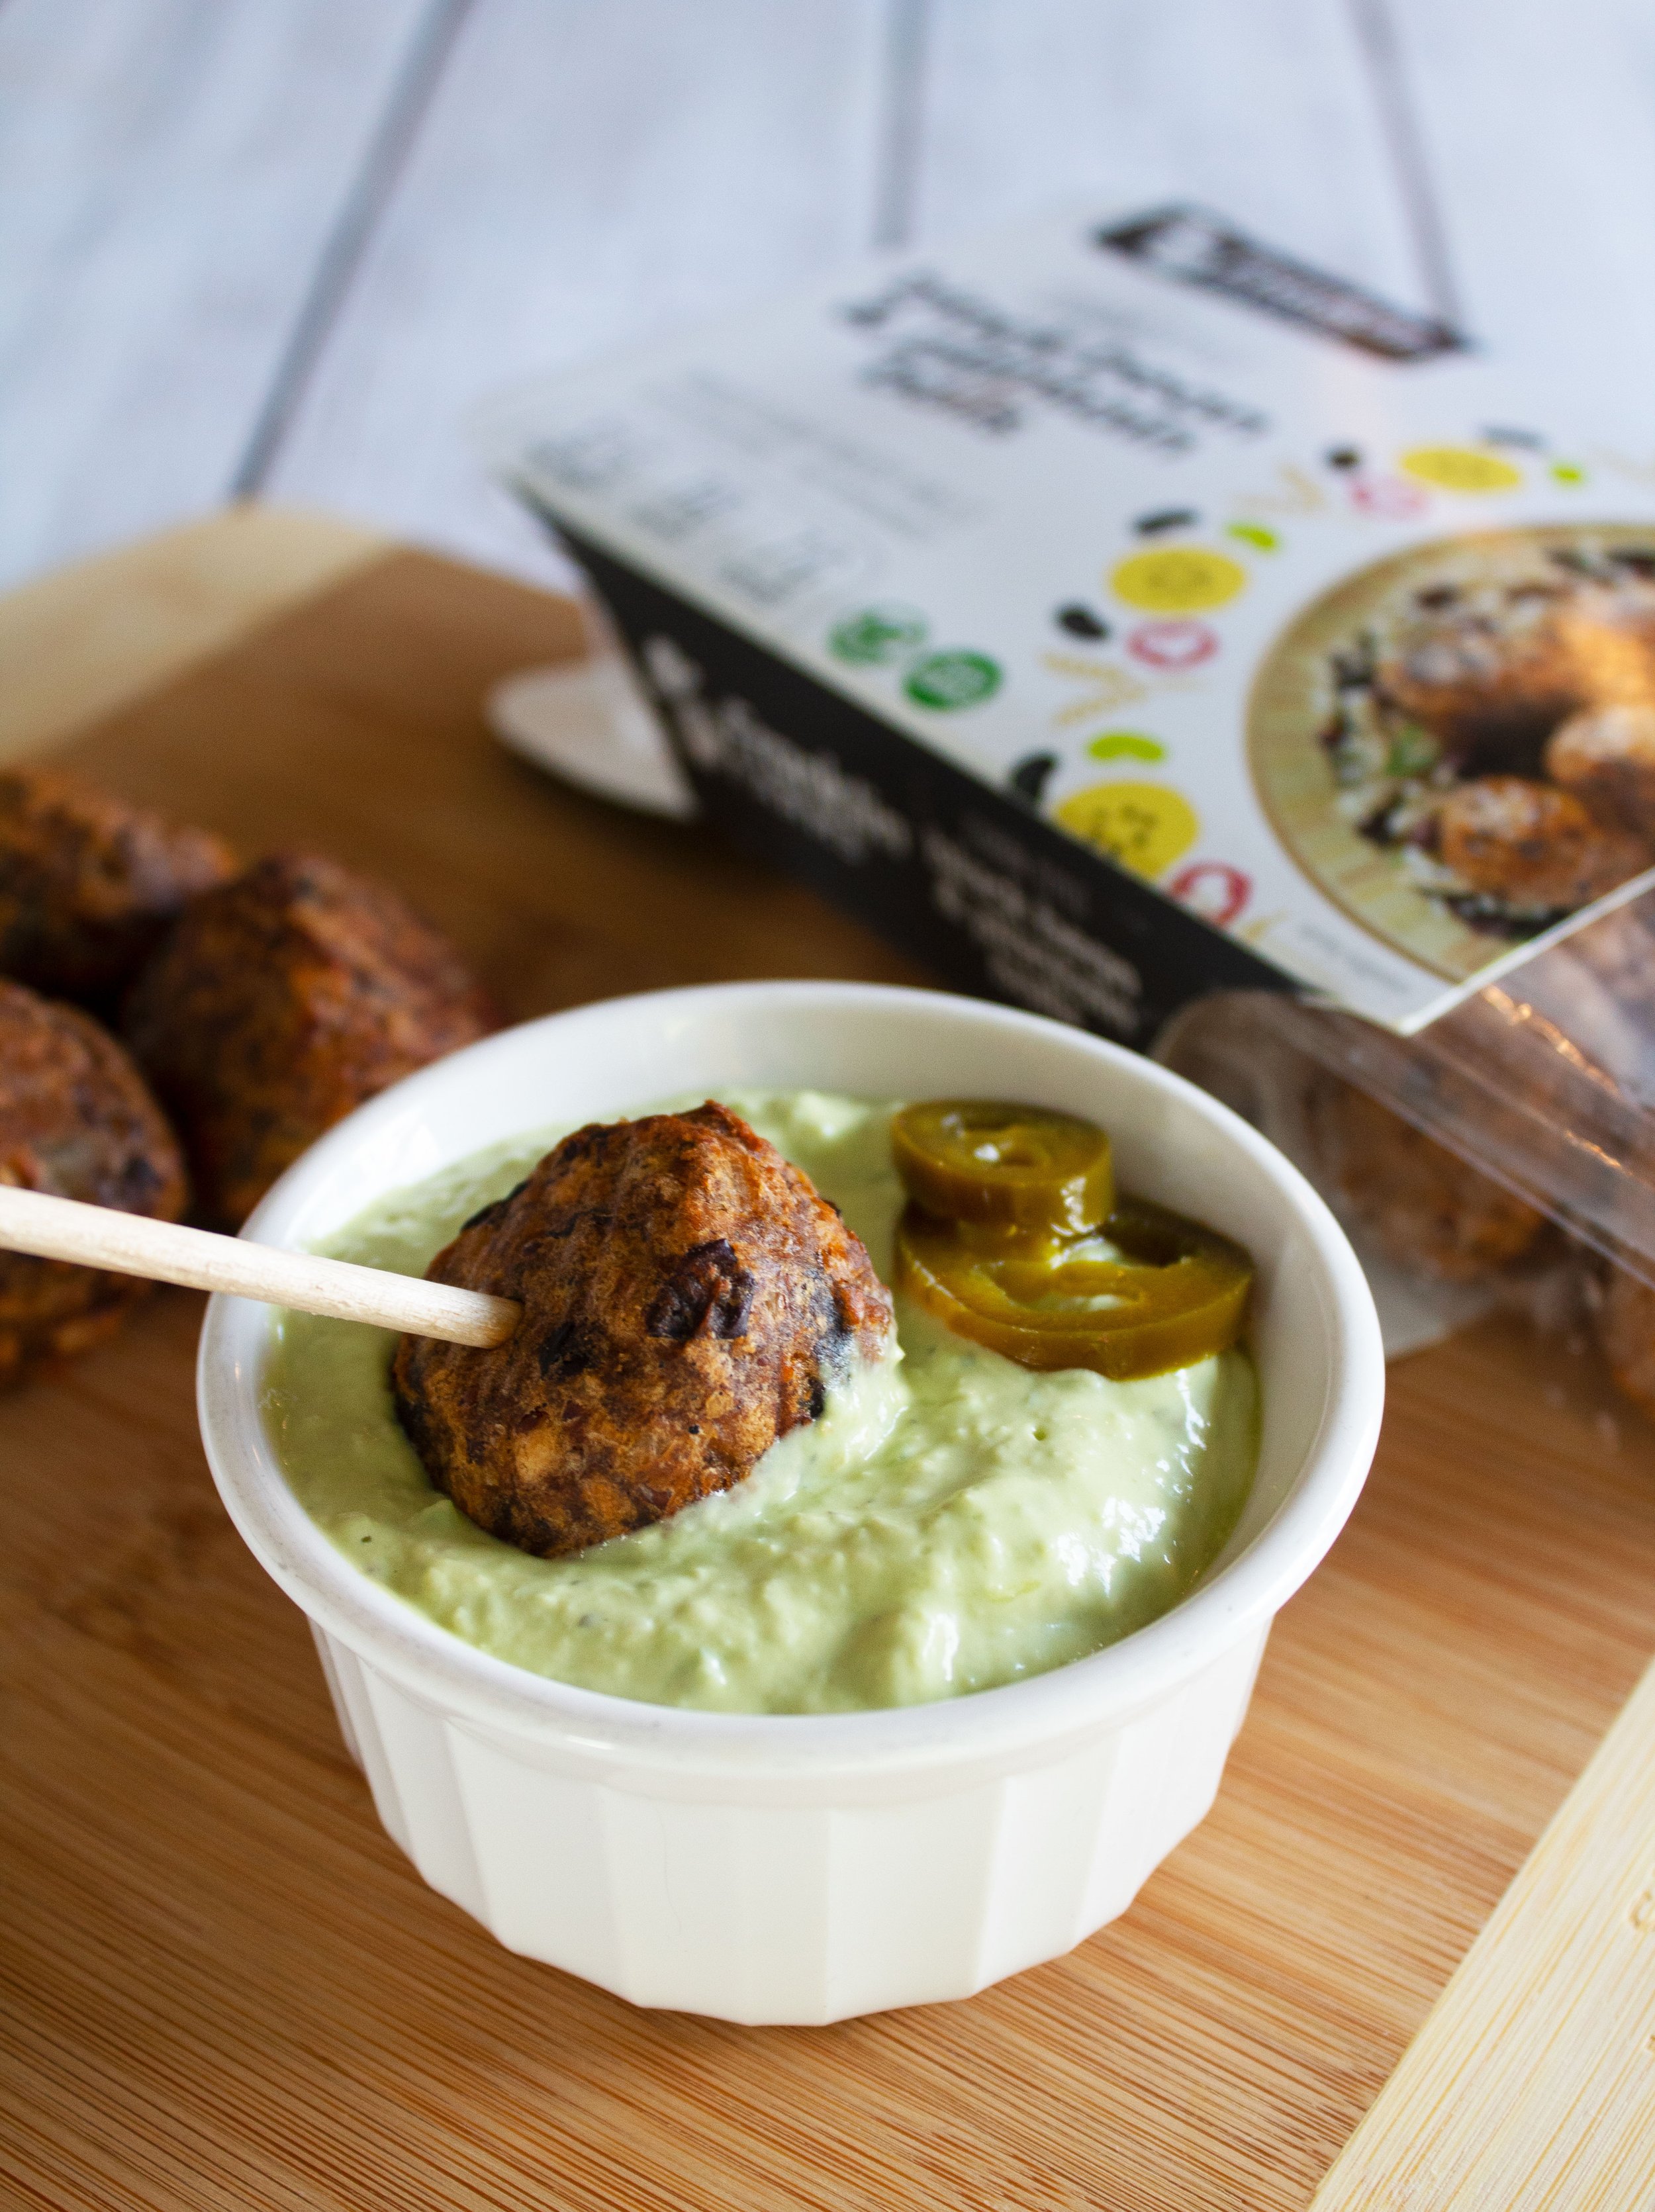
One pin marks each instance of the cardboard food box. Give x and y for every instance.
(1111, 612)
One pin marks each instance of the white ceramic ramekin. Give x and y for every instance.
(780, 1869)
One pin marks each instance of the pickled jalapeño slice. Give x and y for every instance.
(1171, 1291)
(1005, 1167)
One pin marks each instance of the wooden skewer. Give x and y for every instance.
(131, 1244)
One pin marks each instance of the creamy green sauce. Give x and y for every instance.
(950, 1521)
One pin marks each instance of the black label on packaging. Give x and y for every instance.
(1195, 247)
(951, 870)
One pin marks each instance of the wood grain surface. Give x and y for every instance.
(76, 643)
(223, 1987)
(1532, 2084)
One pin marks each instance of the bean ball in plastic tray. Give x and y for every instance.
(1542, 1084)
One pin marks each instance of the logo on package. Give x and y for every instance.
(1194, 248)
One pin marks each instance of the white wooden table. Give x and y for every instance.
(282, 245)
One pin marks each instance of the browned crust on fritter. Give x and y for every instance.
(1606, 757)
(281, 1001)
(89, 884)
(1513, 838)
(76, 1120)
(1466, 678)
(1512, 663)
(687, 1296)
(1427, 1209)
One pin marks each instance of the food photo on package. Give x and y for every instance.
(1124, 617)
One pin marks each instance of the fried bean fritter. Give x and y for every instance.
(1606, 757)
(281, 1001)
(1482, 670)
(687, 1297)
(1427, 1209)
(1490, 673)
(76, 1120)
(1533, 845)
(89, 884)
(1625, 1324)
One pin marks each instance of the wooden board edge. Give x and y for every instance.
(82, 641)
(86, 640)
(1532, 2082)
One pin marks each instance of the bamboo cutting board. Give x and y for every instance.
(222, 1985)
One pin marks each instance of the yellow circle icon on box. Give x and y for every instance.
(1142, 826)
(1178, 580)
(1462, 468)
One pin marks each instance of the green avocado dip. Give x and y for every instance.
(951, 1521)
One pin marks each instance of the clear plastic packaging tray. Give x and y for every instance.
(1544, 1080)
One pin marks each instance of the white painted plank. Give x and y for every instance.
(1264, 111)
(1538, 124)
(590, 171)
(168, 171)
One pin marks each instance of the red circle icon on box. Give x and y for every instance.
(1176, 644)
(1213, 889)
(1391, 498)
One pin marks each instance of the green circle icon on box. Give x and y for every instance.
(948, 680)
(878, 635)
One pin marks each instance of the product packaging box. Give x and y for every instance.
(1110, 611)
(1116, 611)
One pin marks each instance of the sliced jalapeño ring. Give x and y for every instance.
(1178, 1294)
(1003, 1166)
